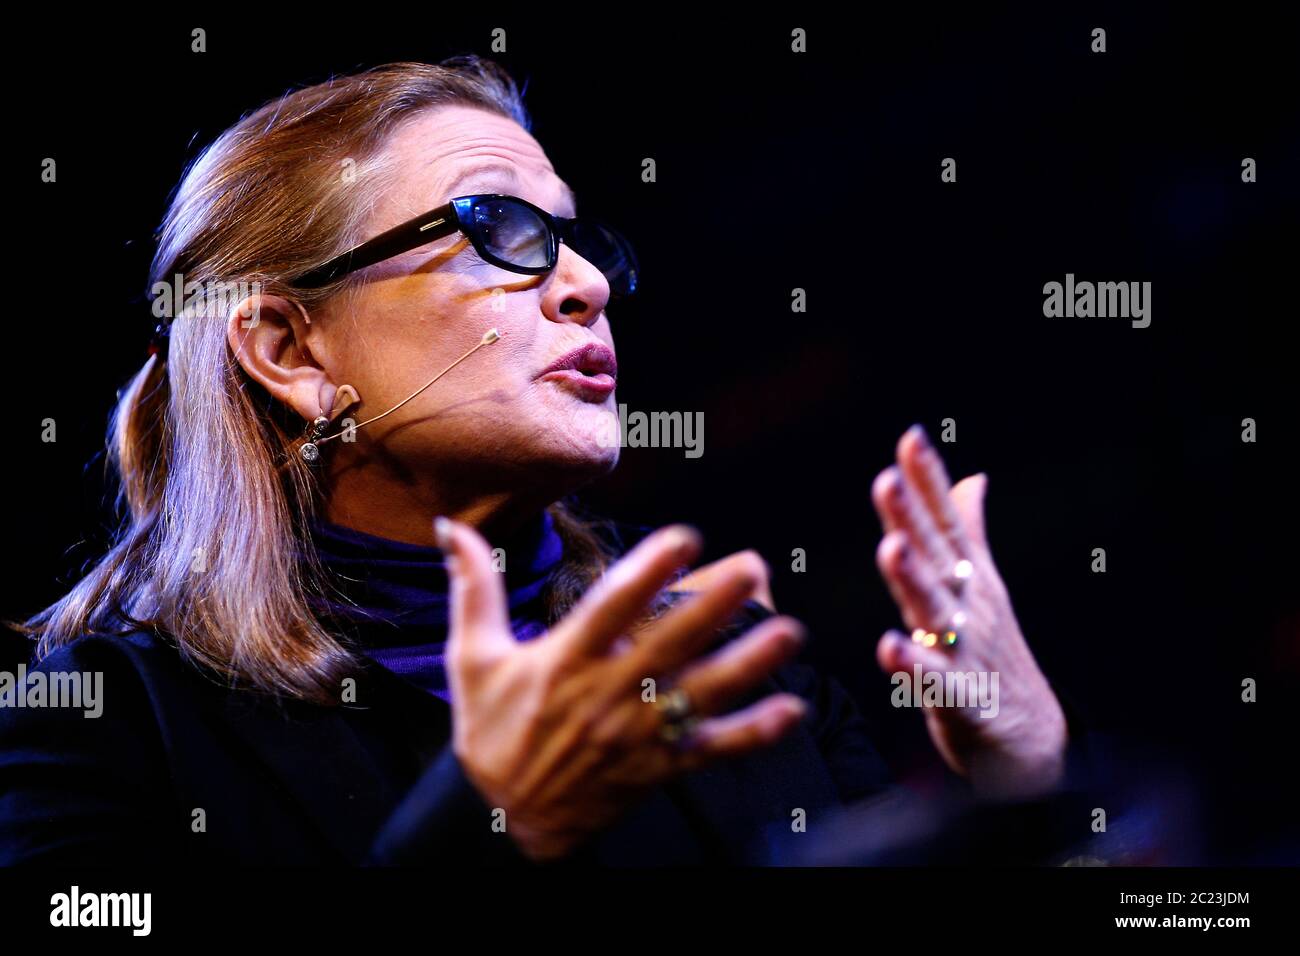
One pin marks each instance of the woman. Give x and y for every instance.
(293, 673)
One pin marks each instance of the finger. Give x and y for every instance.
(898, 653)
(702, 577)
(968, 496)
(620, 597)
(741, 664)
(925, 472)
(759, 725)
(684, 631)
(883, 488)
(480, 624)
(886, 556)
(907, 512)
(921, 597)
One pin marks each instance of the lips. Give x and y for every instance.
(590, 370)
(591, 359)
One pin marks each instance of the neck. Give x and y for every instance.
(404, 513)
(391, 599)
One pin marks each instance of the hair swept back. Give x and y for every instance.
(198, 446)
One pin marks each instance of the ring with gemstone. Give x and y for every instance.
(945, 637)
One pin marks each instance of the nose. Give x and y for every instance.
(576, 291)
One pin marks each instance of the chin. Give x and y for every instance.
(587, 434)
(579, 454)
(585, 457)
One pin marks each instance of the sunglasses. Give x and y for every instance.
(506, 231)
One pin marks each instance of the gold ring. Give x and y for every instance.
(946, 637)
(676, 712)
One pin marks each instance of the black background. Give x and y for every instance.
(820, 171)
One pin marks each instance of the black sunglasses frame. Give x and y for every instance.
(458, 215)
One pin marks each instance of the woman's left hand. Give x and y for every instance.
(931, 526)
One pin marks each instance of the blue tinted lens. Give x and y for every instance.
(607, 251)
(512, 232)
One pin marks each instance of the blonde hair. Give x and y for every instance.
(203, 454)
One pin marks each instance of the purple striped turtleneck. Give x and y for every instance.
(394, 595)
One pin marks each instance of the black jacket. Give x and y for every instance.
(371, 783)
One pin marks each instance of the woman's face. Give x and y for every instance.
(498, 419)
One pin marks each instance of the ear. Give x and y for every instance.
(269, 336)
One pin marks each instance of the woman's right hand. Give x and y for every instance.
(556, 731)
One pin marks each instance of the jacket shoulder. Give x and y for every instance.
(137, 649)
(83, 762)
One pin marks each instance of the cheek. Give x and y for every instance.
(447, 331)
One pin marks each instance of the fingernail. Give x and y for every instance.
(919, 430)
(442, 532)
(794, 638)
(896, 484)
(685, 542)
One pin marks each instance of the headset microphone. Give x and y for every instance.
(316, 437)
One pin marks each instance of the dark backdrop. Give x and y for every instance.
(820, 171)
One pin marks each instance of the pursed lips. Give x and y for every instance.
(591, 359)
(590, 369)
